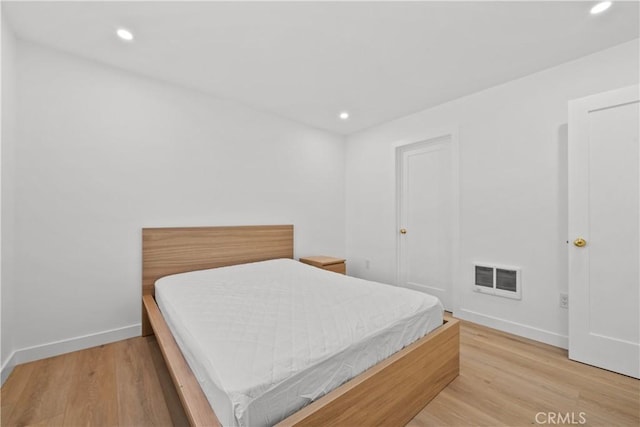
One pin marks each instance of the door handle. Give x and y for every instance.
(580, 242)
(403, 231)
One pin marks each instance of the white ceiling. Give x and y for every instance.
(309, 60)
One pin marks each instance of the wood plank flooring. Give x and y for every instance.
(120, 384)
(504, 381)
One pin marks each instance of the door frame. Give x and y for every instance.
(397, 147)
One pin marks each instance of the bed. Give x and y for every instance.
(391, 392)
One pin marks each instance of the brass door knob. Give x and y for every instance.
(403, 231)
(580, 242)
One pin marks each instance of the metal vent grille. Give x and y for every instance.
(484, 276)
(498, 280)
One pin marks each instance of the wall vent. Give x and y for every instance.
(498, 280)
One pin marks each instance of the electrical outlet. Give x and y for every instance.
(367, 264)
(564, 300)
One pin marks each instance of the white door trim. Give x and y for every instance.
(452, 133)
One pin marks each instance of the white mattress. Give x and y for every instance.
(267, 338)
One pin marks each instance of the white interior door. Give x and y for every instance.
(604, 196)
(425, 216)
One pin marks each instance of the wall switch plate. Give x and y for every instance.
(564, 300)
(367, 264)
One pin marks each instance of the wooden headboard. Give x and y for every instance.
(168, 251)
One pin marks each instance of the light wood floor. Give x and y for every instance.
(504, 380)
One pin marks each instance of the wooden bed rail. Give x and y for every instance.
(194, 402)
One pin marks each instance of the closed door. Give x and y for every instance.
(425, 211)
(604, 227)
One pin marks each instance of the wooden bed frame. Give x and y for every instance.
(389, 393)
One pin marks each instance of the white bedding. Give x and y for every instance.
(265, 339)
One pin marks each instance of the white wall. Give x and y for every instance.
(7, 211)
(513, 188)
(104, 153)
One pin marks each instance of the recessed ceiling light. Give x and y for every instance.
(125, 34)
(600, 7)
(344, 115)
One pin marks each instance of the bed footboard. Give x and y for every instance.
(392, 392)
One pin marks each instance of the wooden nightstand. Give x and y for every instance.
(336, 265)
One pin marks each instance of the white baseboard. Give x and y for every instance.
(515, 328)
(56, 348)
(7, 368)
